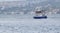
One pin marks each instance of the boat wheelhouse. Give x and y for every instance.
(40, 14)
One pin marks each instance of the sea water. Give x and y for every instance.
(27, 24)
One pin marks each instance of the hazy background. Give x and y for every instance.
(28, 6)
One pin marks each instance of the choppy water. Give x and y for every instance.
(26, 24)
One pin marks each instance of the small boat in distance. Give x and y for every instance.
(40, 15)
